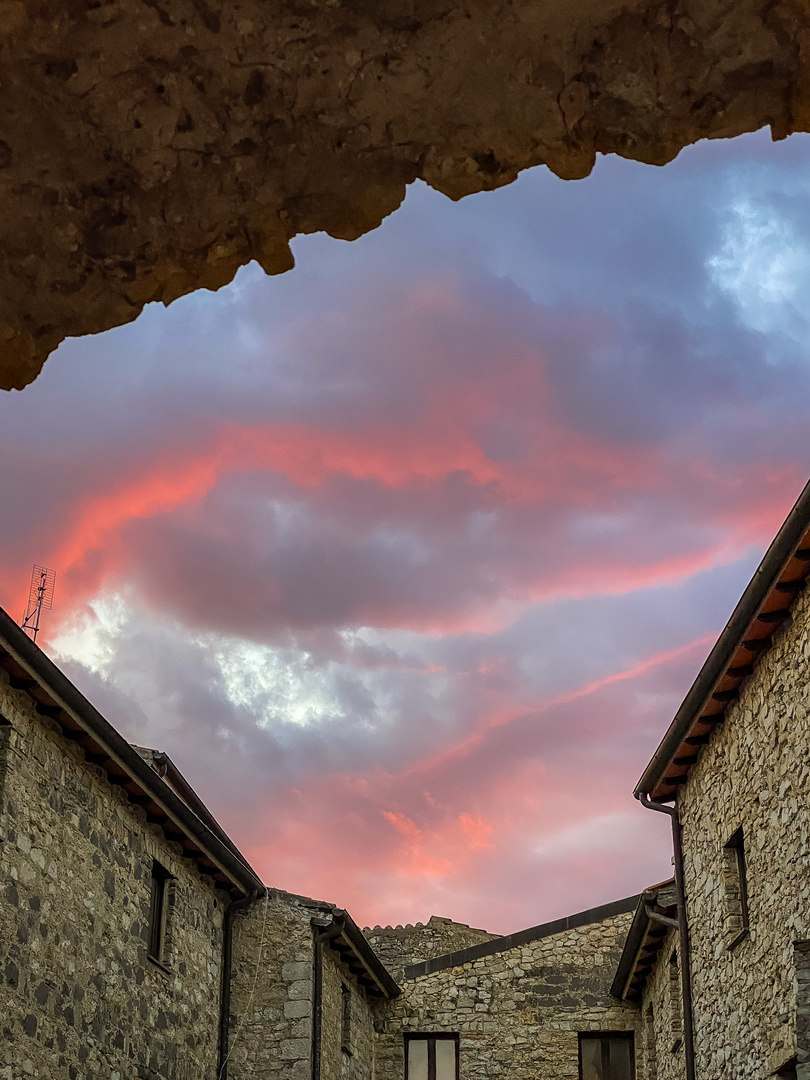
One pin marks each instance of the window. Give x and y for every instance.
(5, 741)
(159, 909)
(606, 1056)
(431, 1057)
(736, 887)
(346, 1019)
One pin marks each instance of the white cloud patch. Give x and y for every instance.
(764, 262)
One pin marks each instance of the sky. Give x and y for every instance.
(408, 557)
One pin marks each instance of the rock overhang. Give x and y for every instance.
(152, 147)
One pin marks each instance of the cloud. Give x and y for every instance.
(408, 557)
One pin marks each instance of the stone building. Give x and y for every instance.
(136, 943)
(528, 1004)
(115, 892)
(735, 763)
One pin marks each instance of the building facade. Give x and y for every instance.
(735, 766)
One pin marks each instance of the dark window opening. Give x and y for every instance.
(346, 1018)
(159, 912)
(736, 883)
(606, 1056)
(788, 1070)
(431, 1057)
(5, 743)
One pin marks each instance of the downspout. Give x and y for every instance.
(231, 911)
(683, 929)
(322, 933)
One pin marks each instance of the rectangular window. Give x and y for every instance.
(346, 1019)
(735, 879)
(431, 1057)
(606, 1056)
(5, 742)
(159, 912)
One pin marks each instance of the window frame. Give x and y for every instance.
(604, 1036)
(735, 866)
(161, 879)
(431, 1037)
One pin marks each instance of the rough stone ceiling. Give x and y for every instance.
(151, 147)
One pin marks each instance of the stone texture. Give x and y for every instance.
(272, 997)
(518, 1011)
(78, 997)
(399, 946)
(151, 147)
(353, 1059)
(754, 774)
(663, 1051)
(271, 991)
(802, 964)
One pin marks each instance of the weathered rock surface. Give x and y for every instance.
(151, 147)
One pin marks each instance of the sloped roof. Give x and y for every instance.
(177, 811)
(340, 932)
(521, 937)
(763, 607)
(645, 938)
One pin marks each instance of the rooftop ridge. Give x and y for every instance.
(522, 937)
(444, 919)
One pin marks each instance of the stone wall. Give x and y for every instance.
(663, 1057)
(78, 996)
(271, 990)
(517, 1010)
(273, 997)
(347, 1031)
(754, 774)
(399, 946)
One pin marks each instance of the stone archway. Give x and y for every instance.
(151, 147)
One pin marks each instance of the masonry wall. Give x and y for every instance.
(272, 997)
(271, 989)
(662, 1049)
(351, 1058)
(518, 1011)
(754, 774)
(399, 946)
(78, 996)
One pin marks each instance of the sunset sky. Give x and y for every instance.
(408, 557)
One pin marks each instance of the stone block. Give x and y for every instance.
(292, 1049)
(295, 971)
(298, 1008)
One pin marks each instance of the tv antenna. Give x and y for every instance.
(40, 596)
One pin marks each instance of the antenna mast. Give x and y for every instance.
(40, 596)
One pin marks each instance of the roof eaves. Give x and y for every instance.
(75, 707)
(629, 979)
(346, 938)
(163, 764)
(747, 635)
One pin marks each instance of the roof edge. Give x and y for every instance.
(522, 937)
(42, 669)
(756, 593)
(635, 940)
(342, 931)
